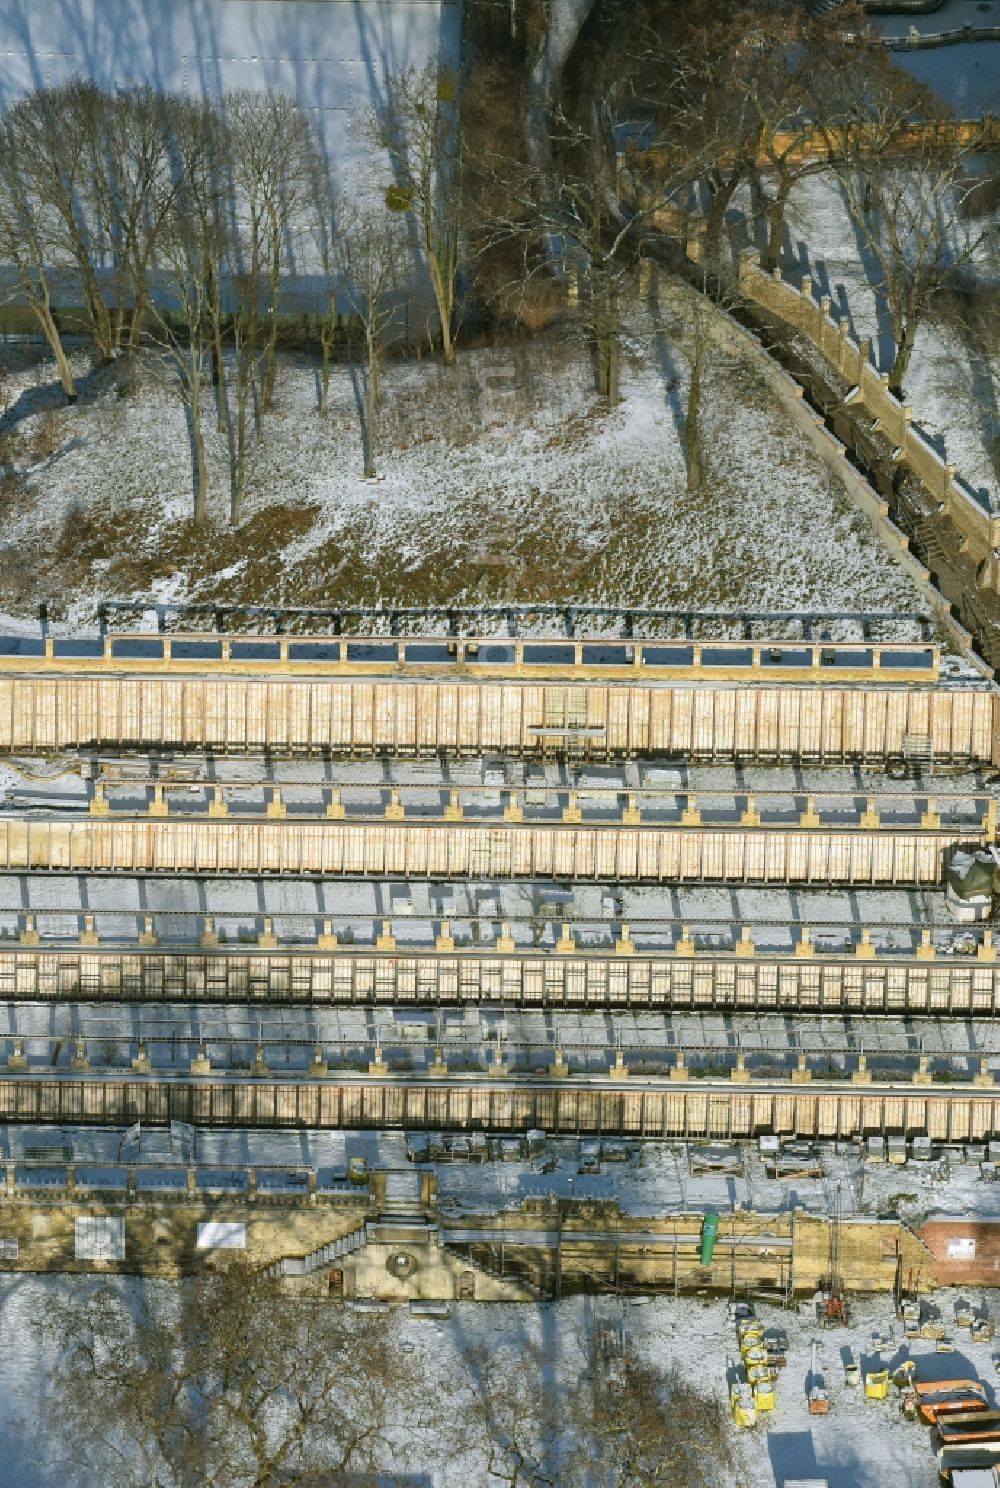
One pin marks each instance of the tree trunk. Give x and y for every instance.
(326, 343)
(776, 224)
(715, 221)
(45, 319)
(197, 437)
(213, 293)
(100, 320)
(371, 407)
(442, 300)
(904, 350)
(242, 397)
(608, 347)
(270, 350)
(692, 419)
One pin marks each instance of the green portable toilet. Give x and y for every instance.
(709, 1235)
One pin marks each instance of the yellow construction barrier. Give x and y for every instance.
(877, 1384)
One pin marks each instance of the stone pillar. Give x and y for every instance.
(445, 940)
(750, 816)
(326, 940)
(559, 1069)
(923, 1073)
(685, 945)
(395, 811)
(691, 816)
(985, 1075)
(29, 935)
(870, 818)
(619, 1070)
(454, 811)
(17, 1060)
(259, 1066)
(566, 944)
(335, 808)
(505, 943)
(141, 1064)
(810, 817)
(864, 950)
(159, 806)
(499, 1069)
(79, 1061)
(318, 1067)
(148, 937)
(987, 950)
(378, 1066)
(513, 811)
(88, 936)
(438, 1066)
(571, 811)
(201, 1064)
(208, 938)
(99, 801)
(805, 945)
(218, 805)
(276, 807)
(925, 950)
(745, 946)
(386, 941)
(631, 816)
(862, 1075)
(740, 1075)
(801, 1074)
(931, 819)
(267, 939)
(625, 945)
(679, 1071)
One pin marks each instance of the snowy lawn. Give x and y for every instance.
(860, 1444)
(538, 495)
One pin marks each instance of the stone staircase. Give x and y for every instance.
(486, 1263)
(315, 1260)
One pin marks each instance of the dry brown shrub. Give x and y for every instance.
(46, 438)
(536, 304)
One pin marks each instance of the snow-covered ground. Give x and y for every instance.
(549, 497)
(860, 1444)
(953, 382)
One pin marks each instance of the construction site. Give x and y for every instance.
(504, 966)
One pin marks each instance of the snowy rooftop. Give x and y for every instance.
(475, 911)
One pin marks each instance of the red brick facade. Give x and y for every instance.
(981, 1237)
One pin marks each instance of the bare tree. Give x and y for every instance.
(638, 1426)
(903, 165)
(786, 51)
(372, 248)
(512, 1414)
(420, 128)
(325, 233)
(191, 241)
(273, 170)
(131, 148)
(221, 1383)
(23, 245)
(52, 132)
